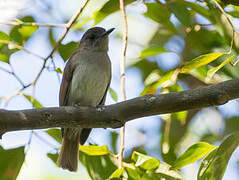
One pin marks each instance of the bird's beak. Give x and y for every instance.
(106, 33)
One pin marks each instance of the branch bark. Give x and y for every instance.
(116, 115)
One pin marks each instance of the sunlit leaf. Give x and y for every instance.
(21, 33)
(212, 71)
(165, 171)
(152, 51)
(108, 8)
(192, 154)
(55, 133)
(32, 100)
(94, 150)
(117, 174)
(113, 94)
(114, 136)
(59, 70)
(53, 157)
(66, 50)
(11, 162)
(200, 61)
(144, 161)
(215, 164)
(133, 174)
(3, 36)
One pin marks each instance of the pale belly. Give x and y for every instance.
(89, 82)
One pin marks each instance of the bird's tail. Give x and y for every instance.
(69, 155)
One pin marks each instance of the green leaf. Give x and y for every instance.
(4, 58)
(11, 162)
(55, 133)
(98, 167)
(53, 157)
(167, 80)
(113, 94)
(134, 174)
(93, 150)
(32, 100)
(66, 50)
(114, 136)
(3, 36)
(166, 172)
(117, 174)
(192, 154)
(59, 70)
(181, 12)
(200, 61)
(144, 161)
(215, 164)
(108, 8)
(212, 71)
(160, 14)
(21, 33)
(196, 7)
(152, 51)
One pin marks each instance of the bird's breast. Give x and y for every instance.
(90, 80)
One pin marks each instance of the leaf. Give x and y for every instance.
(152, 51)
(55, 134)
(192, 154)
(144, 161)
(166, 172)
(212, 71)
(93, 150)
(167, 80)
(11, 162)
(3, 36)
(108, 8)
(199, 9)
(117, 174)
(59, 70)
(218, 160)
(160, 14)
(66, 50)
(53, 157)
(113, 94)
(98, 167)
(200, 61)
(133, 174)
(181, 12)
(21, 33)
(114, 137)
(32, 100)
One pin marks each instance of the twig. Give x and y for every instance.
(68, 26)
(123, 91)
(230, 22)
(17, 46)
(18, 23)
(54, 67)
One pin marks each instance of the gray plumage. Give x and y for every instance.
(85, 82)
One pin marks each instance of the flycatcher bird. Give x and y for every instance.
(85, 82)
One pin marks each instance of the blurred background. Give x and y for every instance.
(163, 35)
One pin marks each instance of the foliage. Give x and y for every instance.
(203, 60)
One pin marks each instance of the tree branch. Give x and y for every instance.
(117, 114)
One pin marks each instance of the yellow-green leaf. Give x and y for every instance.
(212, 71)
(117, 174)
(32, 100)
(55, 133)
(192, 154)
(94, 150)
(144, 161)
(200, 61)
(152, 51)
(113, 94)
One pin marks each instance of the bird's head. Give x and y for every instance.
(95, 39)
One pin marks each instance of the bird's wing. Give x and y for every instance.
(66, 84)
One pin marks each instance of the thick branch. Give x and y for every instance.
(117, 114)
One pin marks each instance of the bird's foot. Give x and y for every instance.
(77, 105)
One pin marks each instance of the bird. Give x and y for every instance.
(86, 79)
